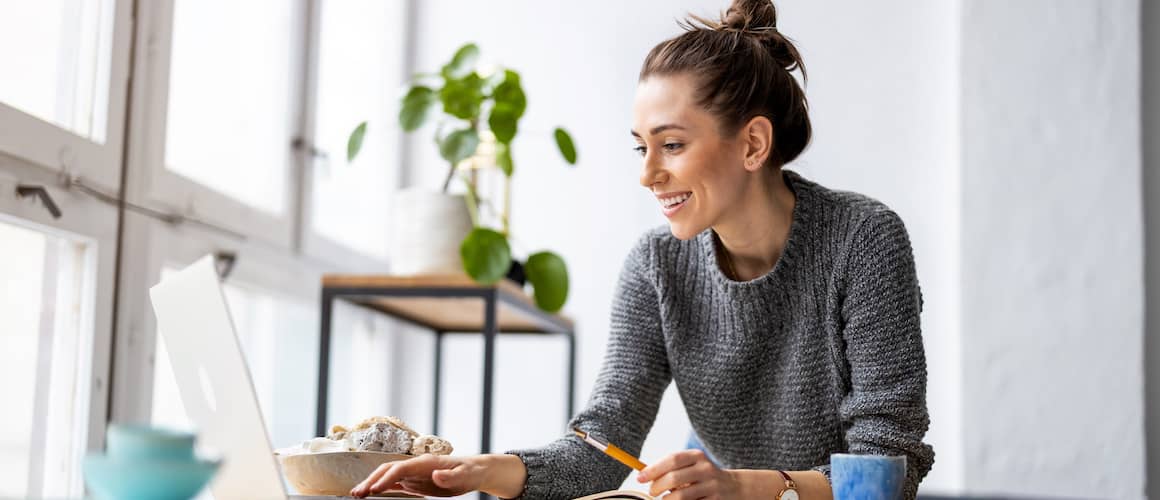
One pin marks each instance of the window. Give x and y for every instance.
(46, 305)
(62, 97)
(231, 112)
(61, 51)
(360, 72)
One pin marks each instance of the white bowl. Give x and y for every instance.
(333, 473)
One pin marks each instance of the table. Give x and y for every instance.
(444, 304)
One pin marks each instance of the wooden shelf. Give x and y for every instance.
(516, 312)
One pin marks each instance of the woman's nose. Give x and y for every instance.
(651, 171)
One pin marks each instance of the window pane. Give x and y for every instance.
(359, 76)
(279, 338)
(60, 51)
(45, 302)
(231, 79)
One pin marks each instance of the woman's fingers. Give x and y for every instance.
(693, 492)
(418, 468)
(678, 460)
(449, 478)
(363, 488)
(693, 474)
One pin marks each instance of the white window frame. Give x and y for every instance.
(314, 244)
(86, 219)
(47, 145)
(175, 192)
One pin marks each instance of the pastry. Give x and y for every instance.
(434, 445)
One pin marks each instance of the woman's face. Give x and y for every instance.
(695, 173)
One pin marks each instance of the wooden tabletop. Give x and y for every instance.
(451, 314)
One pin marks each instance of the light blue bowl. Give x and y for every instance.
(139, 442)
(146, 479)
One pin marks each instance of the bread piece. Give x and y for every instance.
(434, 445)
(395, 421)
(382, 437)
(337, 432)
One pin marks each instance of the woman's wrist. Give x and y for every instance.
(757, 483)
(810, 485)
(504, 474)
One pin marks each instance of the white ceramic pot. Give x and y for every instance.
(427, 228)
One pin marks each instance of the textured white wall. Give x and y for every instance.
(1051, 254)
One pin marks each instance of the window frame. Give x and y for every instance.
(95, 223)
(59, 150)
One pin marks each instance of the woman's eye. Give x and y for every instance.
(640, 150)
(673, 146)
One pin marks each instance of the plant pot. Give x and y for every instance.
(427, 228)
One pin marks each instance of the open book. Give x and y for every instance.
(620, 494)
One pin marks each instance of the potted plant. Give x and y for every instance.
(479, 114)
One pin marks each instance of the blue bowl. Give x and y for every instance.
(137, 479)
(139, 442)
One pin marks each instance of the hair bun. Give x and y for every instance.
(750, 15)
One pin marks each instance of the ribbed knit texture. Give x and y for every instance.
(821, 355)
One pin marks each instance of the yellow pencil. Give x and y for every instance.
(610, 449)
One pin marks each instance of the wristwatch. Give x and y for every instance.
(790, 491)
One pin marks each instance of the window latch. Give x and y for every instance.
(25, 190)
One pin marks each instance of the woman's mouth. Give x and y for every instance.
(671, 204)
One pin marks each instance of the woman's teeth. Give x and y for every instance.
(668, 202)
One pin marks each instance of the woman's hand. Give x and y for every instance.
(426, 475)
(689, 475)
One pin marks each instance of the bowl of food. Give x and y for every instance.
(335, 464)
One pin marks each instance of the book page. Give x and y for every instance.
(622, 494)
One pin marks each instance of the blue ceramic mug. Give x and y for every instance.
(867, 477)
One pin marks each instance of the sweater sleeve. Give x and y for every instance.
(884, 408)
(624, 401)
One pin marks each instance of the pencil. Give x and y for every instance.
(610, 449)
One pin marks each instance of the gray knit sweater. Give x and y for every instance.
(821, 355)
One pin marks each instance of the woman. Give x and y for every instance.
(786, 313)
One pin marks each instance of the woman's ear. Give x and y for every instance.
(757, 136)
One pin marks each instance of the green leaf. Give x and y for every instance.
(502, 122)
(463, 97)
(503, 159)
(548, 275)
(493, 81)
(462, 63)
(510, 93)
(567, 148)
(355, 141)
(417, 107)
(458, 145)
(486, 255)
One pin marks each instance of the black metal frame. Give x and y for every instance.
(491, 297)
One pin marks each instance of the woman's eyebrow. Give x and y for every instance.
(659, 128)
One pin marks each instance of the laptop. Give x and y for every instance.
(215, 383)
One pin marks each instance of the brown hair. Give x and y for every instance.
(743, 65)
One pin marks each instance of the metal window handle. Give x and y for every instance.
(25, 190)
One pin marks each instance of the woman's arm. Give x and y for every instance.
(690, 475)
(885, 404)
(622, 408)
(625, 400)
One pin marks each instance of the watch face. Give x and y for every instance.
(788, 495)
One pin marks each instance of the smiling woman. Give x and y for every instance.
(786, 313)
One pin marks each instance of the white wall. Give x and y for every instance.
(1052, 257)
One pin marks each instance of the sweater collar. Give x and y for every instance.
(803, 195)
